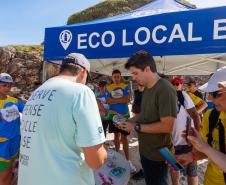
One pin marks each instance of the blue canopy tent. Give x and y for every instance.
(180, 37)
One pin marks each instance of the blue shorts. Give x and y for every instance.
(8, 152)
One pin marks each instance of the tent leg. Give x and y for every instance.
(44, 71)
(164, 65)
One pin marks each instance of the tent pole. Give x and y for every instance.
(164, 64)
(44, 71)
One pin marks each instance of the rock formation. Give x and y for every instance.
(25, 68)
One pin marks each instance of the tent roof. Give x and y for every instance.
(189, 34)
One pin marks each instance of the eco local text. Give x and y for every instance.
(108, 38)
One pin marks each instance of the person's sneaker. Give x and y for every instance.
(139, 175)
(132, 167)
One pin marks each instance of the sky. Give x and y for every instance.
(24, 21)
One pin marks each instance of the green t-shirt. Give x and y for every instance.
(157, 102)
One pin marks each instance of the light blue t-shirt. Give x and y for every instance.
(59, 118)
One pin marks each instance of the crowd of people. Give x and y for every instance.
(59, 134)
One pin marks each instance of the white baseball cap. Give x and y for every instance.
(212, 84)
(223, 84)
(6, 78)
(77, 58)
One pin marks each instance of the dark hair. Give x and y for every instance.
(163, 76)
(116, 71)
(141, 60)
(70, 67)
(191, 81)
(102, 83)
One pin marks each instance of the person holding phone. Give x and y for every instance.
(213, 129)
(155, 122)
(118, 97)
(186, 111)
(214, 155)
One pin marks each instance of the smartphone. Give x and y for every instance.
(118, 118)
(188, 130)
(171, 160)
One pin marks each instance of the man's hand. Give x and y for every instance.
(127, 126)
(201, 106)
(185, 159)
(197, 142)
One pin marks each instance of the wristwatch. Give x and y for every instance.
(137, 127)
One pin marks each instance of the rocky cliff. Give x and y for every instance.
(24, 67)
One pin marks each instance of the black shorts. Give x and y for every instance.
(105, 124)
(191, 168)
(114, 129)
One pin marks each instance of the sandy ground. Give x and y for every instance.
(134, 157)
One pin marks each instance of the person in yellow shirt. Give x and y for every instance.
(214, 175)
(218, 158)
(192, 87)
(213, 129)
(199, 103)
(118, 97)
(10, 109)
(214, 155)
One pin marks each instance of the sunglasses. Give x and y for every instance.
(189, 85)
(176, 84)
(5, 85)
(216, 94)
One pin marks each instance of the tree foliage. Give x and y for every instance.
(109, 8)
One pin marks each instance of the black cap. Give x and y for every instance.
(190, 81)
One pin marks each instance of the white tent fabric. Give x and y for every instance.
(169, 65)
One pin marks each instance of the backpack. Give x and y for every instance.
(215, 122)
(180, 98)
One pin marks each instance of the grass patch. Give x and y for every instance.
(29, 48)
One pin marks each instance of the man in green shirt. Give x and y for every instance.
(155, 123)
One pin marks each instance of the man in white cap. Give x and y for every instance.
(62, 134)
(9, 128)
(213, 127)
